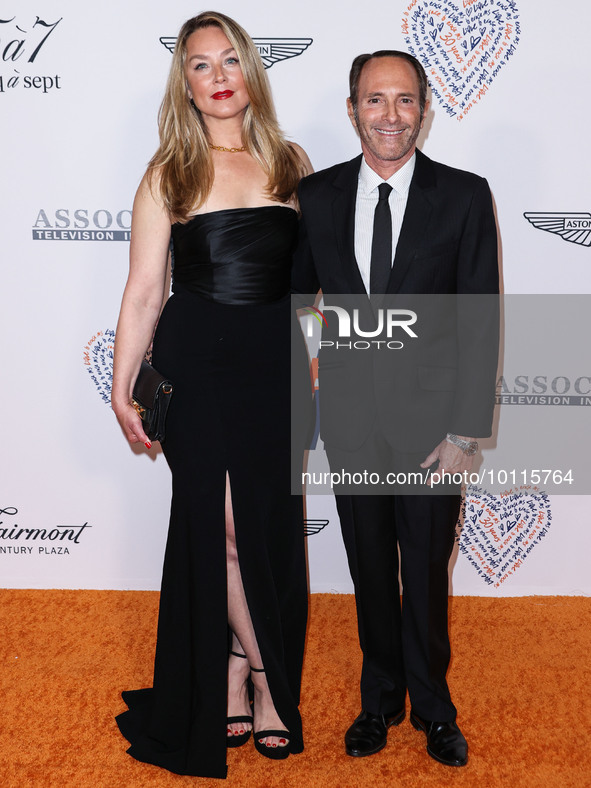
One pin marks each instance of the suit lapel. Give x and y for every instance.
(343, 216)
(416, 220)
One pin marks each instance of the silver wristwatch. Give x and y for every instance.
(468, 447)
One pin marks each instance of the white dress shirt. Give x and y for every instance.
(365, 206)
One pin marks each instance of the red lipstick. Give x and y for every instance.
(223, 94)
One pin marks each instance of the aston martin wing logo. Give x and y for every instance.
(169, 42)
(573, 227)
(271, 50)
(313, 527)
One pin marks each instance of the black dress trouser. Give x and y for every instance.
(405, 645)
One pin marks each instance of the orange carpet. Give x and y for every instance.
(520, 677)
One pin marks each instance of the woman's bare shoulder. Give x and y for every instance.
(148, 196)
(303, 157)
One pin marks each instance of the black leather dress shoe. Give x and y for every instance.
(369, 733)
(445, 741)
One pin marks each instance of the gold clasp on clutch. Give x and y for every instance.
(138, 408)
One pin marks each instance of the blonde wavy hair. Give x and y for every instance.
(183, 161)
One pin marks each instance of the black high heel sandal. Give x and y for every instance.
(238, 739)
(275, 753)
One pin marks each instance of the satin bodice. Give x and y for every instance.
(235, 256)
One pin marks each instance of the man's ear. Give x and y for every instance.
(425, 112)
(351, 113)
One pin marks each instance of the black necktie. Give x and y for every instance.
(381, 245)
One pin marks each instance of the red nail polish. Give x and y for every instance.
(148, 445)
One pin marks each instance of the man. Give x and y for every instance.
(437, 226)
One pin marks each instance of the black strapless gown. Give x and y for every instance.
(224, 340)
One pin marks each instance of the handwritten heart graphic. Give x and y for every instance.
(496, 533)
(98, 359)
(462, 49)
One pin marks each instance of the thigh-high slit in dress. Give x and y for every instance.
(224, 340)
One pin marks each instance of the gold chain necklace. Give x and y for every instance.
(227, 150)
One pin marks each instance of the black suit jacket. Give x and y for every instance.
(447, 247)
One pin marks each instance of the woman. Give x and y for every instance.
(233, 603)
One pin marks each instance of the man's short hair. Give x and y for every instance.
(361, 60)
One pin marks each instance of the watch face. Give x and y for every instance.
(472, 449)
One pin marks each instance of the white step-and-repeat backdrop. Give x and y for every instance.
(80, 88)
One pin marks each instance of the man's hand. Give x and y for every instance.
(451, 459)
